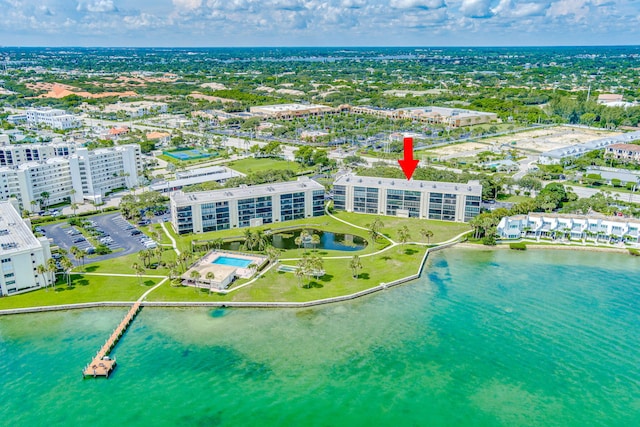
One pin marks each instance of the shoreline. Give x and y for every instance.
(562, 247)
(285, 304)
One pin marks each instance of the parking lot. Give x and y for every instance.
(116, 233)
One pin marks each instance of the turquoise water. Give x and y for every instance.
(232, 261)
(502, 338)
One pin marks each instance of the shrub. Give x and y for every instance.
(518, 246)
(634, 252)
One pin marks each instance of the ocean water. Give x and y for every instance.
(484, 338)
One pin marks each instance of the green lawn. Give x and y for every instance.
(122, 265)
(442, 230)
(392, 264)
(83, 289)
(249, 165)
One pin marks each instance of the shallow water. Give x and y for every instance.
(484, 338)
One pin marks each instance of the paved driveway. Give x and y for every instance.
(113, 225)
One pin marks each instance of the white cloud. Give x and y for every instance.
(187, 5)
(476, 8)
(578, 10)
(97, 6)
(417, 4)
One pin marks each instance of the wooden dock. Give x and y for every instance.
(102, 365)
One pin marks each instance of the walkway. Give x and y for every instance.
(173, 241)
(102, 365)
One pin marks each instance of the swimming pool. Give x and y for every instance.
(234, 262)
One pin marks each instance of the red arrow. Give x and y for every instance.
(408, 164)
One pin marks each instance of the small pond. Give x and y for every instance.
(328, 240)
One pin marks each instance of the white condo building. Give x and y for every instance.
(588, 227)
(86, 174)
(52, 117)
(17, 154)
(446, 201)
(246, 206)
(20, 253)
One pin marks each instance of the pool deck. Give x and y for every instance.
(223, 274)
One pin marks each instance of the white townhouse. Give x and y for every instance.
(589, 227)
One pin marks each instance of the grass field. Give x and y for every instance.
(83, 289)
(249, 165)
(392, 264)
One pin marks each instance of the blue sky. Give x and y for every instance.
(318, 22)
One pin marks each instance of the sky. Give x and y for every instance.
(235, 23)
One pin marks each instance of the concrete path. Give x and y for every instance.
(173, 241)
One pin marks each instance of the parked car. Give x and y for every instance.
(90, 250)
(79, 240)
(136, 232)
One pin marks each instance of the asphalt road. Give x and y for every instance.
(113, 225)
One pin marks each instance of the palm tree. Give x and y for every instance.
(138, 270)
(41, 269)
(272, 253)
(210, 276)
(52, 267)
(374, 229)
(260, 240)
(403, 235)
(315, 240)
(158, 253)
(45, 198)
(302, 238)
(299, 273)
(75, 252)
(355, 265)
(195, 276)
(249, 240)
(426, 234)
(67, 266)
(218, 243)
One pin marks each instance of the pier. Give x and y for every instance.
(102, 365)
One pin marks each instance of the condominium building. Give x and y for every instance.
(624, 152)
(588, 227)
(137, 109)
(86, 174)
(556, 156)
(105, 169)
(453, 117)
(446, 201)
(290, 111)
(14, 155)
(46, 183)
(246, 206)
(20, 253)
(52, 117)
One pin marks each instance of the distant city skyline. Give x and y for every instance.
(237, 23)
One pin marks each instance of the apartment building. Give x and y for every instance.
(20, 253)
(452, 117)
(105, 169)
(52, 117)
(246, 206)
(13, 155)
(86, 174)
(588, 227)
(446, 201)
(624, 152)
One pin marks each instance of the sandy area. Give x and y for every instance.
(458, 149)
(214, 86)
(541, 140)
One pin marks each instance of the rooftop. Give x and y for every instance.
(472, 188)
(301, 184)
(578, 149)
(15, 235)
(626, 147)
